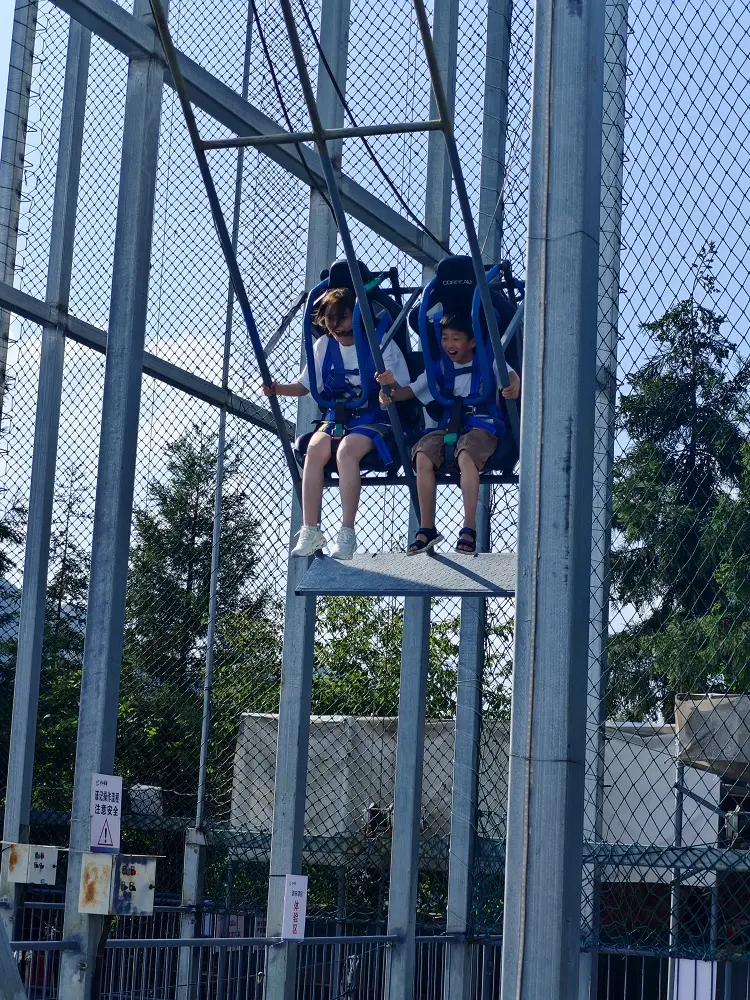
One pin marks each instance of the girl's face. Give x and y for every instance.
(457, 345)
(339, 325)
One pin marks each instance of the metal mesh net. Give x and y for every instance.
(665, 852)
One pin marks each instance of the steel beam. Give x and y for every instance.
(100, 680)
(163, 371)
(111, 22)
(290, 787)
(12, 155)
(541, 937)
(613, 141)
(329, 134)
(42, 486)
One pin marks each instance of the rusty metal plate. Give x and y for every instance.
(96, 883)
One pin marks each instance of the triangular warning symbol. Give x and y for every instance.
(105, 837)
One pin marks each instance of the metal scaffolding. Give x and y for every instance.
(559, 390)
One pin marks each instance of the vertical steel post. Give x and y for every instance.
(541, 942)
(41, 492)
(674, 909)
(12, 155)
(11, 985)
(299, 616)
(195, 844)
(407, 799)
(610, 223)
(407, 795)
(457, 980)
(494, 129)
(100, 681)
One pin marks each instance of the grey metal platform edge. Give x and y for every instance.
(394, 574)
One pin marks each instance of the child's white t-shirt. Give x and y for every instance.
(461, 387)
(392, 356)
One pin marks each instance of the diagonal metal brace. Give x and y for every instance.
(463, 200)
(346, 240)
(230, 257)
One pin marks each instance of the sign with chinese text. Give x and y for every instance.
(295, 907)
(106, 813)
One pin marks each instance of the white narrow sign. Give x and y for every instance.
(295, 907)
(106, 813)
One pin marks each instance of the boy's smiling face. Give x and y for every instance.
(458, 345)
(339, 325)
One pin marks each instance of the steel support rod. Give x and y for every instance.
(329, 134)
(446, 116)
(194, 857)
(299, 614)
(407, 799)
(494, 129)
(343, 227)
(542, 918)
(12, 156)
(222, 232)
(11, 985)
(44, 459)
(457, 981)
(100, 680)
(610, 224)
(674, 909)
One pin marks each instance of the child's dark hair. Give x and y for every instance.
(458, 321)
(334, 302)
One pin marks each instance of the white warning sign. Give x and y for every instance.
(106, 813)
(295, 907)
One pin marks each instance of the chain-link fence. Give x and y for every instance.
(667, 732)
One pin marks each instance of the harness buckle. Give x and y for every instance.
(339, 419)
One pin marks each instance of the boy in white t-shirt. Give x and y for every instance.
(337, 368)
(473, 448)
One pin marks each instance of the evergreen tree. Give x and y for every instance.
(161, 694)
(685, 417)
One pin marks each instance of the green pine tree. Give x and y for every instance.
(686, 420)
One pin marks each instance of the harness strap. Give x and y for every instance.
(453, 430)
(339, 416)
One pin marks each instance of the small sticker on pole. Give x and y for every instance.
(106, 813)
(295, 908)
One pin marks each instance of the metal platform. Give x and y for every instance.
(394, 574)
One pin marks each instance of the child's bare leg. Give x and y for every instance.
(350, 453)
(426, 490)
(317, 457)
(469, 488)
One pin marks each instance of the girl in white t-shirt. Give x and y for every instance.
(364, 430)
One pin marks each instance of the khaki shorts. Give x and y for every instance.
(478, 443)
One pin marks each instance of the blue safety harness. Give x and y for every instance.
(480, 408)
(347, 407)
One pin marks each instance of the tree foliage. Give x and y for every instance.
(677, 498)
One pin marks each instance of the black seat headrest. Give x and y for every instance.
(340, 276)
(455, 284)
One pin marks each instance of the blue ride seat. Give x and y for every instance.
(454, 290)
(386, 308)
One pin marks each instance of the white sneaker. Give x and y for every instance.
(346, 544)
(310, 540)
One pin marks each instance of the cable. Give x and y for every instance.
(386, 177)
(314, 186)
